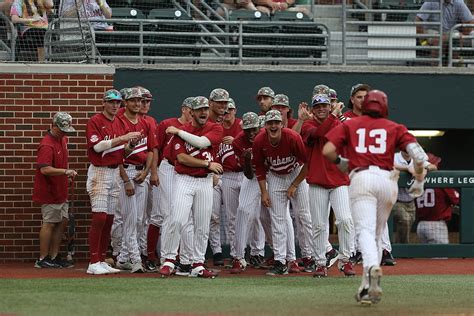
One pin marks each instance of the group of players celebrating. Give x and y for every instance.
(275, 178)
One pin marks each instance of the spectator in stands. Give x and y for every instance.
(51, 189)
(433, 210)
(236, 5)
(271, 6)
(32, 20)
(454, 12)
(94, 10)
(404, 209)
(5, 7)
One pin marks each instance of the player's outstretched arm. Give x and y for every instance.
(196, 141)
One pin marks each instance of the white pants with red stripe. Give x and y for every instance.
(191, 196)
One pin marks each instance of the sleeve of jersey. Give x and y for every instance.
(151, 136)
(92, 134)
(337, 135)
(405, 137)
(45, 156)
(215, 135)
(178, 146)
(259, 161)
(237, 151)
(160, 136)
(325, 127)
(453, 196)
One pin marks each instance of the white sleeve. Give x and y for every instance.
(196, 141)
(102, 145)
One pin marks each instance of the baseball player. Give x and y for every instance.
(433, 210)
(161, 207)
(193, 186)
(327, 184)
(133, 172)
(370, 142)
(282, 151)
(281, 102)
(229, 186)
(105, 149)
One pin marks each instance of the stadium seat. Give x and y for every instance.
(247, 15)
(181, 38)
(396, 5)
(295, 18)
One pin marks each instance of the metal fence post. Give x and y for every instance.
(241, 42)
(344, 20)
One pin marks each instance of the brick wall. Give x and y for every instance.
(29, 97)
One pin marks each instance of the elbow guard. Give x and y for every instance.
(417, 153)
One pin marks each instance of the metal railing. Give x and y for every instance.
(463, 52)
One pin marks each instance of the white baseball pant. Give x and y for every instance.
(191, 195)
(103, 188)
(231, 183)
(215, 225)
(319, 199)
(433, 232)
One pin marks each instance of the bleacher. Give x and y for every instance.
(159, 31)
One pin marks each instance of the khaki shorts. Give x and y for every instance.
(54, 213)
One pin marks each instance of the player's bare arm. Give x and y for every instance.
(154, 180)
(290, 192)
(127, 183)
(303, 114)
(264, 193)
(51, 171)
(227, 140)
(130, 146)
(190, 161)
(140, 177)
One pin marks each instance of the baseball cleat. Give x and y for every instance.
(362, 297)
(167, 269)
(238, 266)
(320, 272)
(387, 259)
(107, 267)
(293, 267)
(150, 266)
(96, 269)
(199, 271)
(347, 269)
(278, 268)
(375, 291)
(331, 257)
(137, 267)
(124, 265)
(218, 259)
(308, 264)
(183, 269)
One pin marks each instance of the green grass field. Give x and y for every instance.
(423, 295)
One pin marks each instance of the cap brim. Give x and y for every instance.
(220, 100)
(199, 107)
(251, 126)
(113, 99)
(69, 129)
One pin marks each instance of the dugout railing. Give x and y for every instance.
(463, 181)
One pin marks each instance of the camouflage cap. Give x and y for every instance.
(134, 93)
(199, 102)
(320, 89)
(63, 121)
(231, 104)
(281, 99)
(267, 91)
(250, 120)
(112, 95)
(261, 120)
(320, 99)
(187, 102)
(219, 94)
(332, 94)
(273, 115)
(146, 93)
(124, 92)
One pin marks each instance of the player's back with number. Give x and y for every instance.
(373, 141)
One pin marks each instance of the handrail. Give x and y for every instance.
(452, 36)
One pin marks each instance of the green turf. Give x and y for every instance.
(422, 295)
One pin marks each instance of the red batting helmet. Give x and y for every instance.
(375, 102)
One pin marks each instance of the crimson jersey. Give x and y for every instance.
(226, 152)
(280, 159)
(241, 143)
(291, 122)
(436, 204)
(349, 114)
(212, 131)
(320, 170)
(370, 141)
(139, 154)
(164, 140)
(100, 128)
(52, 152)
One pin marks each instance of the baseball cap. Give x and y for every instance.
(320, 89)
(134, 93)
(124, 92)
(187, 102)
(356, 88)
(320, 99)
(231, 104)
(250, 120)
(266, 91)
(219, 94)
(146, 93)
(281, 99)
(112, 95)
(63, 121)
(199, 102)
(332, 94)
(273, 115)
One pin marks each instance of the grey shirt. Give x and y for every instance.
(455, 11)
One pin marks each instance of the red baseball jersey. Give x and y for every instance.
(164, 140)
(370, 141)
(139, 154)
(100, 128)
(241, 143)
(283, 158)
(226, 152)
(212, 131)
(320, 170)
(349, 114)
(436, 204)
(52, 152)
(291, 122)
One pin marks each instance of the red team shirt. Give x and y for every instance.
(349, 114)
(139, 154)
(212, 131)
(100, 128)
(164, 140)
(370, 141)
(281, 159)
(52, 152)
(226, 152)
(241, 143)
(321, 171)
(436, 204)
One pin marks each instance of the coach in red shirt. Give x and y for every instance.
(50, 189)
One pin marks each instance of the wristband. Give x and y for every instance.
(338, 160)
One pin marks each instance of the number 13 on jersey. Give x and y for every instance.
(379, 137)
